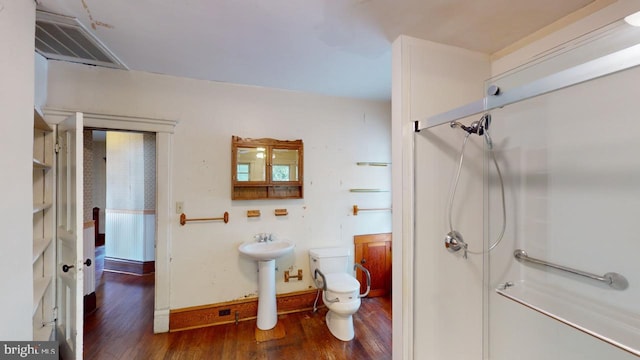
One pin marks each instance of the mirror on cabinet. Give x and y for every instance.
(284, 164)
(266, 168)
(251, 164)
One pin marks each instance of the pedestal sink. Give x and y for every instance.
(266, 253)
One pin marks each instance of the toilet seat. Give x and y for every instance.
(342, 283)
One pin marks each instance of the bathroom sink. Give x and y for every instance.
(266, 250)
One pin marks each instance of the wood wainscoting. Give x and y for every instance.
(237, 310)
(126, 266)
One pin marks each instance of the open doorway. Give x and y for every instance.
(120, 194)
(163, 130)
(124, 191)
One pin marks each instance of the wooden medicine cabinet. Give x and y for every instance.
(266, 169)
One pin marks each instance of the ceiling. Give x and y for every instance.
(334, 47)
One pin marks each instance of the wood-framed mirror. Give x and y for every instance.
(266, 168)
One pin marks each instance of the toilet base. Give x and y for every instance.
(340, 326)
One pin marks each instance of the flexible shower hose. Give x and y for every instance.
(454, 187)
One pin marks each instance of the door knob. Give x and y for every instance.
(65, 267)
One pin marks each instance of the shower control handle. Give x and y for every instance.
(454, 243)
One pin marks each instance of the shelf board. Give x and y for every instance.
(257, 192)
(40, 286)
(367, 190)
(40, 206)
(39, 123)
(372, 163)
(37, 164)
(614, 326)
(39, 246)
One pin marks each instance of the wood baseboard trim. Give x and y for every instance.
(237, 310)
(90, 302)
(126, 266)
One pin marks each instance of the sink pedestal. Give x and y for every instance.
(266, 253)
(267, 312)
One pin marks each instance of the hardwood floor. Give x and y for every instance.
(122, 328)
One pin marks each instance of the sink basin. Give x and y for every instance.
(268, 250)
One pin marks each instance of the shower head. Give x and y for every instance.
(457, 124)
(474, 128)
(477, 127)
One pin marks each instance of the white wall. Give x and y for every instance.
(447, 290)
(337, 132)
(130, 196)
(17, 65)
(41, 66)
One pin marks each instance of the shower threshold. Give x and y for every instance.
(614, 326)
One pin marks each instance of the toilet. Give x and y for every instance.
(332, 273)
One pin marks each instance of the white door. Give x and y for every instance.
(69, 237)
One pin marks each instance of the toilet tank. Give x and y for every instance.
(330, 260)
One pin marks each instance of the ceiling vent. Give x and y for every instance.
(64, 38)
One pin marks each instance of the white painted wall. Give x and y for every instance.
(337, 132)
(17, 66)
(41, 66)
(130, 196)
(447, 290)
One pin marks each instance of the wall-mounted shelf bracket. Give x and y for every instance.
(356, 209)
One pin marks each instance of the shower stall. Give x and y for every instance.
(522, 208)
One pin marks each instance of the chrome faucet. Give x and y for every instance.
(263, 237)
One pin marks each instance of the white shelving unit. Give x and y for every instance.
(44, 254)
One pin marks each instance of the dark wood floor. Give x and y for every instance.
(122, 328)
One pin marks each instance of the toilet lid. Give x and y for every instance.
(341, 282)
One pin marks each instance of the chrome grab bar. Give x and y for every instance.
(323, 286)
(612, 279)
(368, 275)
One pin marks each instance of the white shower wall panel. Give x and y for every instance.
(574, 194)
